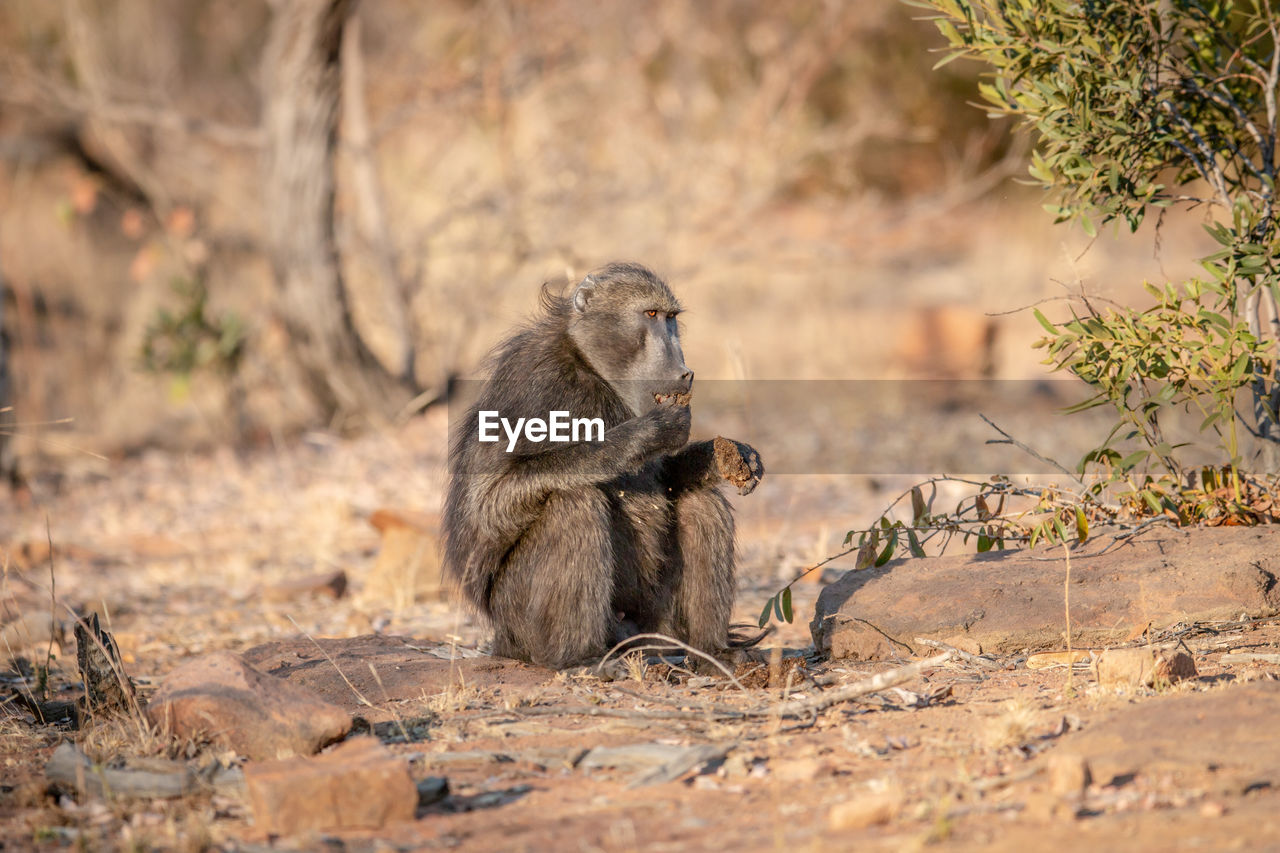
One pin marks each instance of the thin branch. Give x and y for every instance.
(626, 644)
(874, 684)
(1008, 439)
(967, 657)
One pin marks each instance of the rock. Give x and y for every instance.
(1142, 667)
(800, 769)
(870, 810)
(1222, 742)
(386, 668)
(328, 584)
(408, 566)
(693, 757)
(1212, 809)
(359, 784)
(432, 789)
(1006, 601)
(1045, 806)
(634, 756)
(221, 697)
(1068, 774)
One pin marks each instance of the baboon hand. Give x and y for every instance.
(671, 419)
(738, 463)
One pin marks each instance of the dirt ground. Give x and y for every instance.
(180, 554)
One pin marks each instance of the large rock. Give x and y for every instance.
(386, 669)
(221, 697)
(408, 566)
(1221, 741)
(358, 785)
(1012, 600)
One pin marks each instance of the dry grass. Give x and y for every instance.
(1013, 727)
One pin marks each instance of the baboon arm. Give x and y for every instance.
(511, 494)
(691, 467)
(704, 464)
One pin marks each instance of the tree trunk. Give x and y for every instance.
(8, 464)
(301, 90)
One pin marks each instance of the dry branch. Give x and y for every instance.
(874, 684)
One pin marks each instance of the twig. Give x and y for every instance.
(967, 657)
(672, 641)
(1249, 657)
(1008, 439)
(874, 684)
(332, 662)
(1066, 606)
(625, 713)
(679, 703)
(53, 599)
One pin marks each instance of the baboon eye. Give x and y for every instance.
(651, 313)
(671, 315)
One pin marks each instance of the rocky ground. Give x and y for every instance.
(271, 556)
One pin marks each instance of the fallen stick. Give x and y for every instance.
(796, 707)
(874, 684)
(1249, 657)
(967, 657)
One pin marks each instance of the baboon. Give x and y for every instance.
(567, 548)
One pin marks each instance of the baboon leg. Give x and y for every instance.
(703, 588)
(551, 603)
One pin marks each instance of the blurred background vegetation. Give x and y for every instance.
(178, 225)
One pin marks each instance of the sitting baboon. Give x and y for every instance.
(571, 546)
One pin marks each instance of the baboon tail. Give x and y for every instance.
(743, 635)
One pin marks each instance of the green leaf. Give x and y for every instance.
(1133, 459)
(1048, 327)
(914, 543)
(787, 614)
(764, 614)
(887, 554)
(984, 543)
(1082, 526)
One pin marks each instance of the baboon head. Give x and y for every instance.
(623, 319)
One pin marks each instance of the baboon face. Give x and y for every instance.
(623, 319)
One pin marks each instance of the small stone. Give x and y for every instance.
(329, 584)
(734, 767)
(964, 644)
(222, 698)
(1143, 667)
(1068, 774)
(1044, 805)
(358, 785)
(1212, 808)
(408, 566)
(800, 769)
(869, 810)
(432, 789)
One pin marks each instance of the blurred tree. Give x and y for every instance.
(1142, 105)
(301, 91)
(8, 466)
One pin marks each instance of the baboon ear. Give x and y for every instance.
(582, 294)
